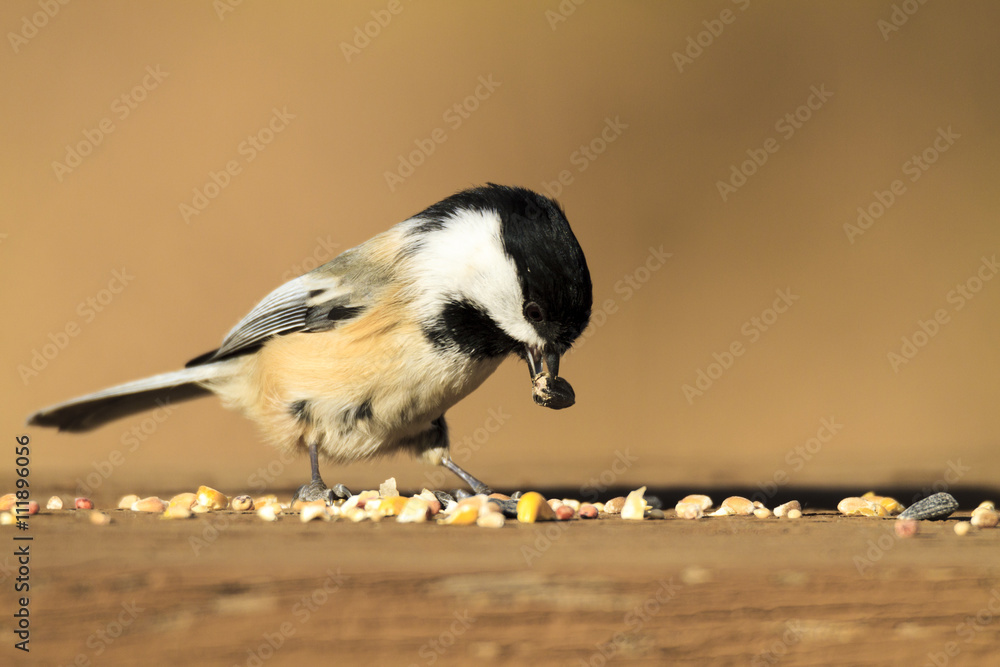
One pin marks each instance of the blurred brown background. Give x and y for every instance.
(681, 92)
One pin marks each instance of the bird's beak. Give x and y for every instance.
(548, 389)
(535, 355)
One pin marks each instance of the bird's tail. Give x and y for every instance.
(90, 411)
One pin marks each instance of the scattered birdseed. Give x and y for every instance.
(704, 502)
(735, 505)
(99, 518)
(314, 510)
(54, 503)
(938, 506)
(783, 509)
(689, 510)
(532, 507)
(906, 527)
(242, 503)
(151, 504)
(615, 505)
(634, 508)
(388, 488)
(564, 513)
(212, 499)
(983, 517)
(83, 504)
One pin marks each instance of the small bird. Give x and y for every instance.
(362, 356)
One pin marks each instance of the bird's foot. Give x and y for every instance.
(317, 490)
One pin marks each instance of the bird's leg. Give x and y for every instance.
(477, 486)
(316, 489)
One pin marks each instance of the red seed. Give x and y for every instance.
(906, 527)
(564, 513)
(32, 507)
(84, 504)
(588, 511)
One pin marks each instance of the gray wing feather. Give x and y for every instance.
(336, 292)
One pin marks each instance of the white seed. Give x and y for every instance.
(355, 514)
(414, 511)
(387, 489)
(177, 512)
(689, 510)
(697, 499)
(242, 503)
(794, 514)
(634, 508)
(491, 520)
(987, 504)
(963, 528)
(269, 512)
(985, 518)
(738, 505)
(762, 513)
(151, 504)
(54, 503)
(126, 502)
(784, 509)
(313, 511)
(99, 518)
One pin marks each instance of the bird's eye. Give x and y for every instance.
(534, 312)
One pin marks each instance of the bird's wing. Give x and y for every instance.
(337, 292)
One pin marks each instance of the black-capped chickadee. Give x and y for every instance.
(362, 356)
